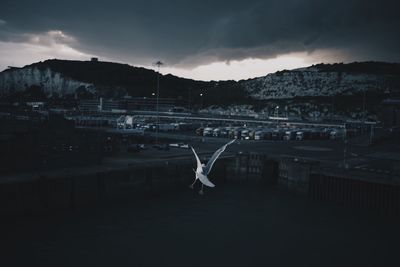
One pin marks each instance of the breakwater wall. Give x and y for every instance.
(85, 187)
(381, 196)
(310, 178)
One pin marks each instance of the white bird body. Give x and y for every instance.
(202, 170)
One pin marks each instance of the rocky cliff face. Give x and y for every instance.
(317, 81)
(18, 79)
(115, 80)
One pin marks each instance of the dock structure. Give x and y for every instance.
(86, 186)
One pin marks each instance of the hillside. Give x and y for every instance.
(324, 80)
(317, 84)
(63, 78)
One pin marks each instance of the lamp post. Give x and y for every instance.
(190, 92)
(286, 112)
(201, 100)
(345, 146)
(159, 64)
(364, 104)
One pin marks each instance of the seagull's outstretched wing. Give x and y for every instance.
(199, 167)
(204, 180)
(214, 157)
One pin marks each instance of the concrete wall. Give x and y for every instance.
(294, 175)
(384, 198)
(85, 188)
(88, 188)
(350, 189)
(307, 178)
(253, 167)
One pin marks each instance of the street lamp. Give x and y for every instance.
(189, 99)
(201, 100)
(277, 111)
(159, 64)
(364, 104)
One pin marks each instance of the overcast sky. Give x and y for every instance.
(205, 40)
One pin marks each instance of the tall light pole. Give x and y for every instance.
(345, 146)
(286, 112)
(159, 64)
(190, 93)
(364, 104)
(201, 100)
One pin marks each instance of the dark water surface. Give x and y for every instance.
(231, 225)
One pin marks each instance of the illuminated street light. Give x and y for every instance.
(159, 64)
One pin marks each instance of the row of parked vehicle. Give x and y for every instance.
(264, 133)
(163, 127)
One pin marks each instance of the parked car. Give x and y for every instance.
(208, 131)
(244, 134)
(277, 134)
(290, 135)
(259, 135)
(224, 132)
(216, 132)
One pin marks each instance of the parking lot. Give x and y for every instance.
(243, 130)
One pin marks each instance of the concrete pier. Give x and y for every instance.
(85, 187)
(381, 196)
(313, 179)
(89, 186)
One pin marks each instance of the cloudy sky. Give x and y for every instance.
(205, 40)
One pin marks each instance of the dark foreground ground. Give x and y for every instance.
(232, 225)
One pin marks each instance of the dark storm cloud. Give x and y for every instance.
(188, 33)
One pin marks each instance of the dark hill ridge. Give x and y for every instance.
(111, 77)
(325, 80)
(104, 73)
(115, 80)
(63, 77)
(136, 81)
(369, 67)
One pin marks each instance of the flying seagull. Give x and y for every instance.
(203, 170)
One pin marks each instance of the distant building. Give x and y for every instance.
(150, 103)
(111, 105)
(94, 59)
(179, 110)
(92, 105)
(35, 105)
(134, 103)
